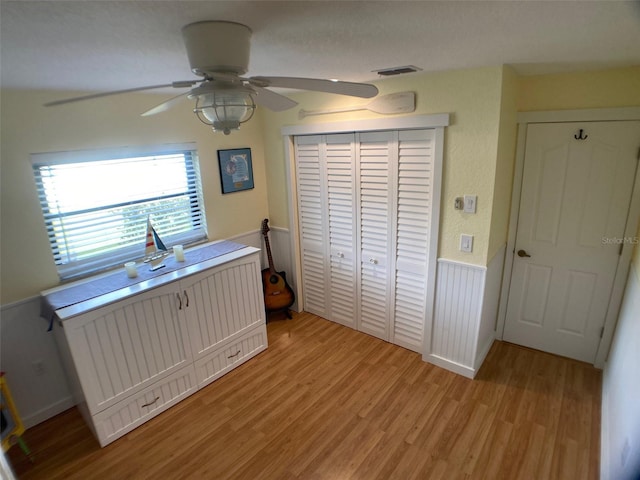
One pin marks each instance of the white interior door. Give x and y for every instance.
(573, 210)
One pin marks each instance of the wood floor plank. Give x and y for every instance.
(324, 401)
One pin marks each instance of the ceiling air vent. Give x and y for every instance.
(387, 72)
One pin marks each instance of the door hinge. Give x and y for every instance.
(601, 332)
(620, 249)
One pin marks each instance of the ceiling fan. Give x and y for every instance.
(218, 51)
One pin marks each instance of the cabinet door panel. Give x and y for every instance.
(222, 304)
(120, 348)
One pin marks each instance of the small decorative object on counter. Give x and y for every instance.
(130, 267)
(178, 252)
(155, 249)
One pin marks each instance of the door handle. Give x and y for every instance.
(523, 254)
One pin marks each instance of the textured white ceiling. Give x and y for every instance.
(103, 45)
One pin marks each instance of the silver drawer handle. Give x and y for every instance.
(373, 260)
(150, 403)
(340, 255)
(234, 355)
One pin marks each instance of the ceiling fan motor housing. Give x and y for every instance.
(217, 46)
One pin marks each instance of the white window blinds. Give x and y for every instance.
(96, 204)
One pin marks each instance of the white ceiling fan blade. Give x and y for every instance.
(363, 90)
(181, 84)
(164, 106)
(272, 100)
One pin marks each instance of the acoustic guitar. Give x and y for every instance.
(278, 295)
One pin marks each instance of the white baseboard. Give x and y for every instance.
(46, 413)
(452, 366)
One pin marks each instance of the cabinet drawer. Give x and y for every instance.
(133, 411)
(231, 355)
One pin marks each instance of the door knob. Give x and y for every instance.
(522, 253)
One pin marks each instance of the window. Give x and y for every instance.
(96, 204)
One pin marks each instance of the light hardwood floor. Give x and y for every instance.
(327, 402)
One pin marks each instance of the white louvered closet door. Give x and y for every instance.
(377, 162)
(312, 219)
(414, 207)
(365, 207)
(342, 217)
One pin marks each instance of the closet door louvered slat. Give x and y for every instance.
(312, 219)
(340, 168)
(375, 195)
(415, 172)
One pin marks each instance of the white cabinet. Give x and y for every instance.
(134, 358)
(365, 205)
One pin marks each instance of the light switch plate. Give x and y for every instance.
(466, 243)
(470, 202)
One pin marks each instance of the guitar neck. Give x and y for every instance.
(269, 257)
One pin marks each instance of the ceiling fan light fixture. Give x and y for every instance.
(224, 110)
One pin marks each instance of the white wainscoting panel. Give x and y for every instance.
(24, 340)
(466, 308)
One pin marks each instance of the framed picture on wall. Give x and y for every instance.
(236, 170)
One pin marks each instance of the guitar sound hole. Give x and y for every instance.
(273, 279)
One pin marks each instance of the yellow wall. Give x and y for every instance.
(26, 263)
(566, 91)
(504, 163)
(473, 97)
(478, 153)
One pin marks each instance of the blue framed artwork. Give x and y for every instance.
(236, 169)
